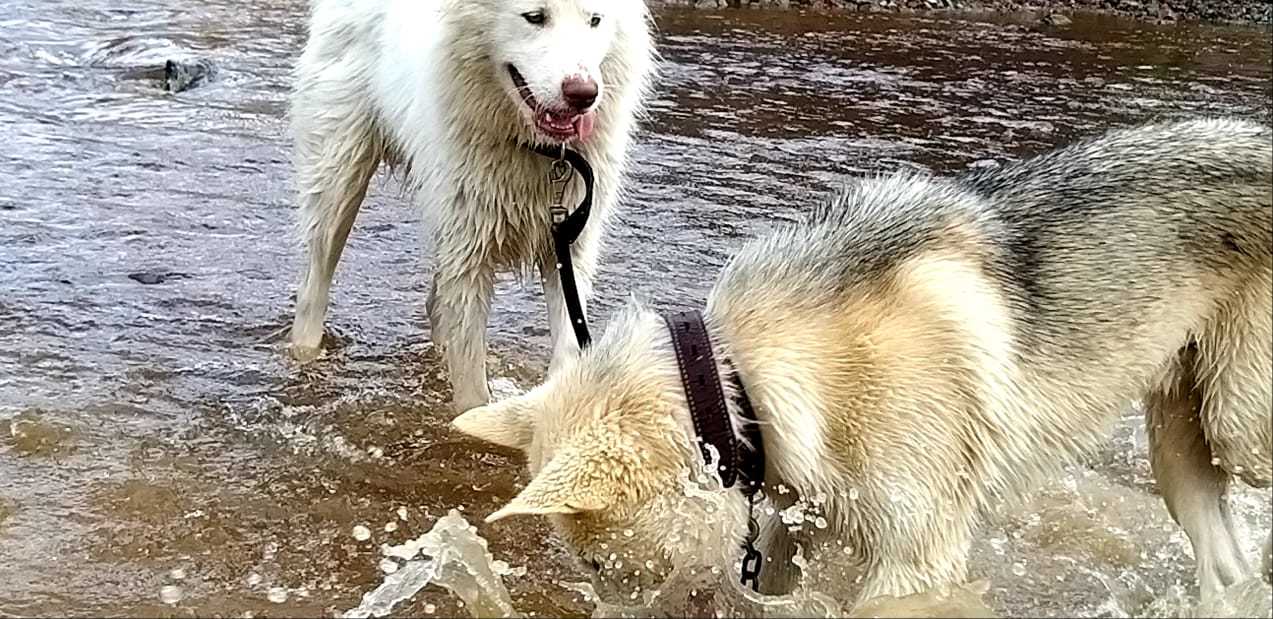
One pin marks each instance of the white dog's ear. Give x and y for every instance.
(506, 423)
(570, 483)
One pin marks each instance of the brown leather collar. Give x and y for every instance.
(742, 459)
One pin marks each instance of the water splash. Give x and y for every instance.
(707, 594)
(452, 555)
(1250, 598)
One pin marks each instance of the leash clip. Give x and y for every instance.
(558, 176)
(751, 568)
(750, 576)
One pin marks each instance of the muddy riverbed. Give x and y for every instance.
(160, 455)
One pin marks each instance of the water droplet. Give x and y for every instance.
(820, 522)
(362, 533)
(402, 514)
(853, 494)
(278, 595)
(628, 533)
(1215, 462)
(170, 594)
(177, 573)
(390, 527)
(1018, 569)
(388, 565)
(430, 608)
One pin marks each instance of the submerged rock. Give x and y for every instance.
(31, 433)
(181, 75)
(151, 278)
(1055, 20)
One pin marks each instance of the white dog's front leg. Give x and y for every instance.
(459, 306)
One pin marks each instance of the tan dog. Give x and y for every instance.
(923, 347)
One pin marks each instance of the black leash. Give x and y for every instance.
(741, 461)
(566, 227)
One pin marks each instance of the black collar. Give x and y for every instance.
(742, 458)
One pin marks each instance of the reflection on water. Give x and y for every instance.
(160, 456)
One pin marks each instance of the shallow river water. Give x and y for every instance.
(158, 453)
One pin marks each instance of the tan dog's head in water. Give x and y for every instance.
(608, 444)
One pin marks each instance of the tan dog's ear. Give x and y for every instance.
(569, 484)
(506, 423)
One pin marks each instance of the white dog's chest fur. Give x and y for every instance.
(469, 176)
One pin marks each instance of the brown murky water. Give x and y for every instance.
(160, 456)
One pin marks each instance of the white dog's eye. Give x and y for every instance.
(534, 17)
(595, 21)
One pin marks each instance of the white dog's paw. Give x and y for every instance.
(305, 354)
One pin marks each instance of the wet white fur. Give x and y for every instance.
(423, 85)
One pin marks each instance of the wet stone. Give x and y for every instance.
(152, 278)
(1056, 20)
(182, 75)
(30, 433)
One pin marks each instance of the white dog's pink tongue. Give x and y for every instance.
(584, 124)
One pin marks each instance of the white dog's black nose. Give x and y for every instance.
(579, 93)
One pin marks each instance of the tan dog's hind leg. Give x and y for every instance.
(1191, 485)
(1235, 363)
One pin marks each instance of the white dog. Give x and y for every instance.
(456, 93)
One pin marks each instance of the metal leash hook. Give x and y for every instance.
(558, 178)
(567, 225)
